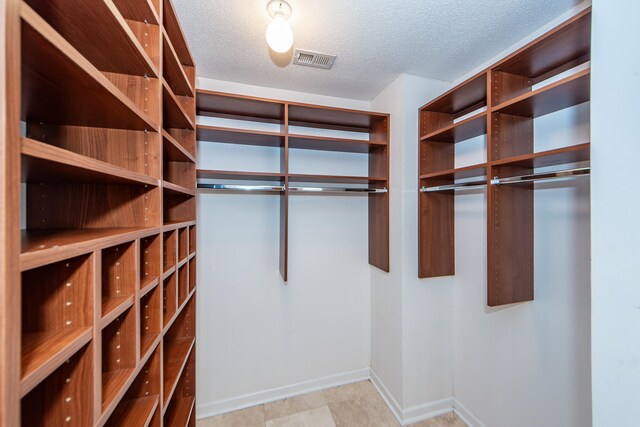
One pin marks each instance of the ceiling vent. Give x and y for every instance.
(313, 59)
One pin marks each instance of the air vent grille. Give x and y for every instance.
(313, 59)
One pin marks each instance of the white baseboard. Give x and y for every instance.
(211, 409)
(466, 415)
(391, 402)
(405, 417)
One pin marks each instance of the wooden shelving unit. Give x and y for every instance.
(373, 127)
(501, 102)
(105, 162)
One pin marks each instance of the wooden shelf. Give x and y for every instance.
(181, 412)
(218, 104)
(333, 118)
(75, 19)
(148, 286)
(61, 87)
(239, 176)
(44, 352)
(175, 33)
(239, 136)
(572, 154)
(461, 131)
(135, 413)
(473, 171)
(307, 142)
(176, 189)
(113, 307)
(462, 99)
(42, 162)
(173, 70)
(172, 225)
(172, 150)
(175, 115)
(570, 91)
(569, 43)
(113, 383)
(138, 10)
(334, 179)
(40, 247)
(175, 358)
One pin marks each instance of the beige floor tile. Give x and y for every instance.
(368, 411)
(292, 405)
(250, 417)
(446, 420)
(350, 392)
(320, 417)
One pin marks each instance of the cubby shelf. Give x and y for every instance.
(180, 414)
(218, 104)
(547, 75)
(308, 142)
(240, 136)
(174, 72)
(173, 150)
(43, 352)
(175, 114)
(570, 91)
(177, 189)
(101, 177)
(40, 247)
(61, 86)
(74, 19)
(42, 162)
(175, 356)
(460, 131)
(137, 412)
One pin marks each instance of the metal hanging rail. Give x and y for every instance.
(338, 190)
(449, 187)
(234, 187)
(542, 176)
(281, 188)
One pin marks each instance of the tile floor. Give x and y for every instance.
(352, 405)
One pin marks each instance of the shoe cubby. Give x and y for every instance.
(179, 411)
(150, 319)
(169, 248)
(183, 283)
(118, 355)
(118, 276)
(149, 259)
(192, 239)
(179, 207)
(139, 405)
(183, 250)
(57, 314)
(65, 397)
(169, 298)
(192, 274)
(178, 345)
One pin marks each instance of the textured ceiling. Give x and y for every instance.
(375, 40)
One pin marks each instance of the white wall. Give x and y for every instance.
(528, 364)
(615, 86)
(257, 337)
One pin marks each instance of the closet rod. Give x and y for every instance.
(338, 190)
(449, 187)
(229, 187)
(542, 176)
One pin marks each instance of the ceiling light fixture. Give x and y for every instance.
(279, 34)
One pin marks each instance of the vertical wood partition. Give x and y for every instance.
(103, 143)
(372, 130)
(545, 76)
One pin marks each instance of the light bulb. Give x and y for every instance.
(279, 35)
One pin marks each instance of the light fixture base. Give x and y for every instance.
(279, 8)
